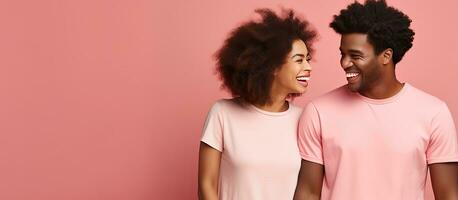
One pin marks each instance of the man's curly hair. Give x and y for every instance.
(254, 50)
(385, 26)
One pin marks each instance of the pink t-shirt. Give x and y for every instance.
(377, 149)
(260, 158)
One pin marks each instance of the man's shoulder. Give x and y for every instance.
(423, 98)
(332, 97)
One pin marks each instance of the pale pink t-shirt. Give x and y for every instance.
(260, 158)
(377, 149)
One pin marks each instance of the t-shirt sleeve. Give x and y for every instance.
(212, 133)
(443, 143)
(309, 135)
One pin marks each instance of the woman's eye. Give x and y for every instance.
(299, 61)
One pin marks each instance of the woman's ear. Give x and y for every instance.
(275, 72)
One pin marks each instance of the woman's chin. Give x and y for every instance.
(300, 90)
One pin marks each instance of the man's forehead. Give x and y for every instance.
(355, 41)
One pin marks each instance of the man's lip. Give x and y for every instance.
(352, 69)
(352, 80)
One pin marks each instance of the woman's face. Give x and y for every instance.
(293, 75)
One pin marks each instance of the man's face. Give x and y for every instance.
(358, 59)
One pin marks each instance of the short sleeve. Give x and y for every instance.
(309, 135)
(443, 143)
(212, 133)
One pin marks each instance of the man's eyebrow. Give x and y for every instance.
(354, 51)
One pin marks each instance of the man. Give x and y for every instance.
(376, 137)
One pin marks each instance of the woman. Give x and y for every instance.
(248, 149)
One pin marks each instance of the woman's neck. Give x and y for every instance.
(277, 104)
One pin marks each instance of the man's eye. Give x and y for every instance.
(299, 61)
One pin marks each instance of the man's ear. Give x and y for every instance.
(387, 56)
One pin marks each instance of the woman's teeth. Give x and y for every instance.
(303, 78)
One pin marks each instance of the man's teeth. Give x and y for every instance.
(350, 75)
(303, 78)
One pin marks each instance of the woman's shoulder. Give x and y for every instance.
(295, 109)
(228, 104)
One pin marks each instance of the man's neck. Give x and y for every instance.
(384, 89)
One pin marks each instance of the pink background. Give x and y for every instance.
(106, 99)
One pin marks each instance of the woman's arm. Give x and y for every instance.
(209, 162)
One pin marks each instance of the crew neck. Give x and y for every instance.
(272, 113)
(385, 100)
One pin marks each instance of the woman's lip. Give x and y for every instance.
(305, 74)
(303, 83)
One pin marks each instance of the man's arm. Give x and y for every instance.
(444, 179)
(310, 181)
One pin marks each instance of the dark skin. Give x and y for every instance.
(310, 181)
(209, 162)
(376, 79)
(444, 179)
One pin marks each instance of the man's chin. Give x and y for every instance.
(353, 87)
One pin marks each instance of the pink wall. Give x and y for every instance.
(106, 99)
